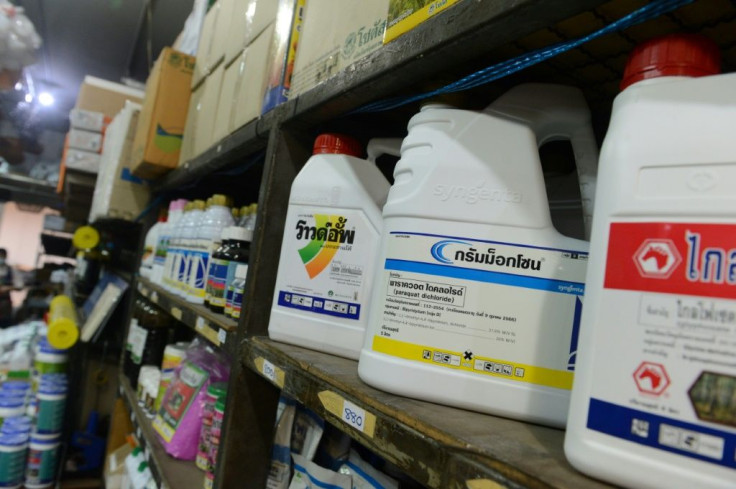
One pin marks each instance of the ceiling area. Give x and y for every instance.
(110, 39)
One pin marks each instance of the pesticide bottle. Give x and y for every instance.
(332, 231)
(187, 239)
(149, 247)
(174, 251)
(654, 388)
(176, 208)
(477, 295)
(214, 220)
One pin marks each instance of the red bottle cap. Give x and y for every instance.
(331, 143)
(672, 55)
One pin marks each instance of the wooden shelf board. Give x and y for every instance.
(437, 445)
(216, 328)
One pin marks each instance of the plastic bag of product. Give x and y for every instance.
(306, 433)
(179, 419)
(334, 448)
(280, 472)
(365, 476)
(308, 475)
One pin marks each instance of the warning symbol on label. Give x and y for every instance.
(427, 354)
(651, 378)
(657, 258)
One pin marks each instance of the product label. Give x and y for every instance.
(12, 465)
(217, 281)
(668, 301)
(199, 258)
(41, 467)
(176, 403)
(50, 415)
(325, 262)
(159, 257)
(137, 337)
(236, 307)
(505, 310)
(230, 276)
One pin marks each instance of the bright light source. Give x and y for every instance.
(29, 98)
(45, 99)
(19, 86)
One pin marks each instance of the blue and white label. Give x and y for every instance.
(664, 433)
(319, 305)
(484, 298)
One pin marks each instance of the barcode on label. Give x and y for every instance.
(353, 415)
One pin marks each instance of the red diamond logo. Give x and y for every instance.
(657, 258)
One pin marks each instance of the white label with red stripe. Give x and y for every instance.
(667, 315)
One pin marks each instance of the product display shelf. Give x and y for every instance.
(168, 472)
(438, 446)
(461, 33)
(216, 328)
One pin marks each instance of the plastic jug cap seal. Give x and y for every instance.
(331, 143)
(672, 55)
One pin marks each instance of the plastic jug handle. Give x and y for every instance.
(383, 146)
(557, 112)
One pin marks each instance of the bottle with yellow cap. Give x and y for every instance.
(63, 327)
(186, 238)
(216, 218)
(90, 257)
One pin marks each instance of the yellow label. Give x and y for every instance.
(205, 330)
(483, 484)
(176, 312)
(348, 412)
(270, 371)
(406, 21)
(494, 367)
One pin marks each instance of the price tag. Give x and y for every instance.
(154, 297)
(176, 312)
(202, 327)
(353, 415)
(271, 371)
(200, 324)
(222, 336)
(350, 413)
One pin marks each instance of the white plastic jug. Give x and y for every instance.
(331, 237)
(477, 295)
(654, 400)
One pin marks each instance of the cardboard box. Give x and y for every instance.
(85, 140)
(230, 79)
(249, 19)
(115, 467)
(402, 19)
(118, 193)
(98, 95)
(282, 53)
(335, 34)
(206, 37)
(220, 40)
(205, 127)
(88, 120)
(188, 143)
(161, 125)
(250, 88)
(76, 159)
